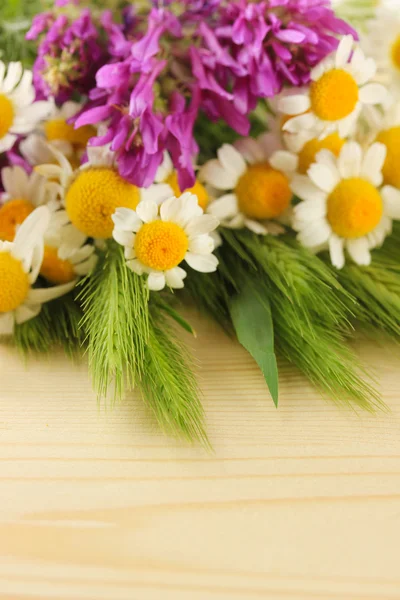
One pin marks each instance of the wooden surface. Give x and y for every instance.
(297, 504)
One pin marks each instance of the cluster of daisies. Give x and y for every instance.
(326, 167)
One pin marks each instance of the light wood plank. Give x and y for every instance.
(297, 503)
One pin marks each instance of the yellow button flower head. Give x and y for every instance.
(340, 87)
(256, 182)
(92, 193)
(23, 193)
(20, 263)
(19, 113)
(344, 204)
(158, 240)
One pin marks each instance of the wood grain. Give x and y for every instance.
(297, 503)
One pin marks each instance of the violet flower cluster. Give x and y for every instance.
(165, 65)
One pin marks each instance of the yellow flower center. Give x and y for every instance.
(12, 214)
(93, 197)
(55, 269)
(198, 190)
(59, 129)
(391, 168)
(334, 96)
(395, 53)
(263, 192)
(6, 115)
(355, 208)
(14, 286)
(161, 245)
(309, 151)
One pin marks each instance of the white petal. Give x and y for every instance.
(156, 281)
(190, 209)
(125, 238)
(214, 174)
(147, 211)
(251, 149)
(12, 78)
(136, 266)
(256, 227)
(203, 244)
(300, 123)
(225, 207)
(344, 50)
(350, 159)
(202, 263)
(373, 162)
(36, 262)
(174, 277)
(310, 210)
(158, 192)
(6, 323)
(284, 161)
(231, 160)
(86, 266)
(306, 190)
(170, 209)
(315, 233)
(165, 169)
(200, 225)
(126, 219)
(27, 312)
(359, 251)
(294, 105)
(39, 296)
(31, 232)
(336, 251)
(373, 93)
(323, 177)
(82, 254)
(391, 199)
(7, 142)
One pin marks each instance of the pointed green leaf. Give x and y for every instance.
(252, 320)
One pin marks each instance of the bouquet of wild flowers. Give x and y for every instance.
(239, 154)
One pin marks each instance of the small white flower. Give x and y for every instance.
(344, 204)
(257, 182)
(20, 263)
(19, 113)
(92, 193)
(158, 239)
(23, 193)
(340, 87)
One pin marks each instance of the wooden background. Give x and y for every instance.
(297, 504)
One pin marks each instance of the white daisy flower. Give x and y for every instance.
(382, 42)
(166, 174)
(67, 255)
(340, 87)
(304, 148)
(23, 193)
(19, 113)
(344, 204)
(257, 184)
(20, 263)
(59, 133)
(157, 239)
(92, 193)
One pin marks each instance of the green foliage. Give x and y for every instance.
(114, 302)
(251, 317)
(15, 20)
(169, 386)
(357, 12)
(377, 287)
(310, 309)
(56, 325)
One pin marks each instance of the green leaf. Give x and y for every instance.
(252, 320)
(164, 306)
